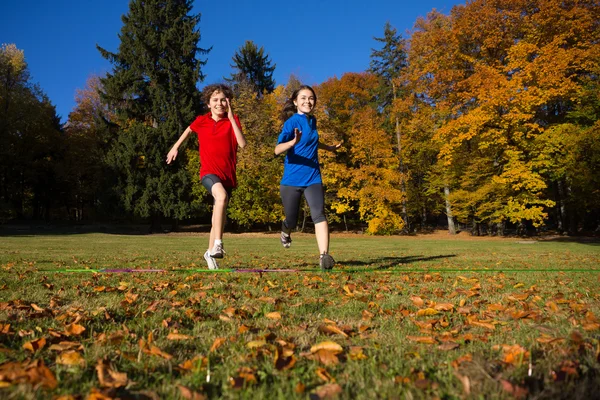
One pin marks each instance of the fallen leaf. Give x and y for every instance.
(427, 312)
(109, 377)
(217, 343)
(328, 391)
(178, 336)
(273, 315)
(328, 346)
(70, 358)
(333, 330)
(190, 394)
(35, 345)
(74, 330)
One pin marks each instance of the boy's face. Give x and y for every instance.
(218, 103)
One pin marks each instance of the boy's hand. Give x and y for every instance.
(171, 156)
(229, 110)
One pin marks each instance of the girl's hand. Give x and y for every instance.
(336, 146)
(172, 155)
(297, 135)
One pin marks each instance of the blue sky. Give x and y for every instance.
(313, 39)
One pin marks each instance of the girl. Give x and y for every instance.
(301, 171)
(219, 135)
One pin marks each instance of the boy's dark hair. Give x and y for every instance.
(289, 108)
(217, 87)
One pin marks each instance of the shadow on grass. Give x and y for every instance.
(383, 263)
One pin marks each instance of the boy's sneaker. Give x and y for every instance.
(212, 263)
(286, 239)
(326, 262)
(217, 251)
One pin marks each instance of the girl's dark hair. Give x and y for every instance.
(217, 87)
(289, 108)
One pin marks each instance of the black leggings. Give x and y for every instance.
(291, 195)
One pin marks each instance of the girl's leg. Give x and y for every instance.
(290, 197)
(322, 233)
(315, 197)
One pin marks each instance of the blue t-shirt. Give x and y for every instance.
(301, 165)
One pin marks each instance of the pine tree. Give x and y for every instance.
(388, 64)
(153, 90)
(253, 66)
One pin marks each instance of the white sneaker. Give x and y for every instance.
(217, 251)
(212, 263)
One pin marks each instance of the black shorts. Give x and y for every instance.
(209, 180)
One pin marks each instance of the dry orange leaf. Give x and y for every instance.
(109, 377)
(328, 391)
(326, 357)
(332, 329)
(444, 307)
(35, 345)
(178, 336)
(217, 343)
(417, 301)
(324, 375)
(189, 394)
(256, 343)
(273, 315)
(485, 325)
(427, 312)
(74, 329)
(328, 346)
(422, 339)
(70, 358)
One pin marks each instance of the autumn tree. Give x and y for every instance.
(363, 179)
(503, 74)
(87, 135)
(253, 66)
(152, 87)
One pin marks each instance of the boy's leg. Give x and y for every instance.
(219, 215)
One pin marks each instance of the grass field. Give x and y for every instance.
(399, 317)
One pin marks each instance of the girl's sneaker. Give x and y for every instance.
(326, 262)
(286, 239)
(212, 263)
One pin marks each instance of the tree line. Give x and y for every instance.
(483, 119)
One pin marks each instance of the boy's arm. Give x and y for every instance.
(239, 135)
(174, 150)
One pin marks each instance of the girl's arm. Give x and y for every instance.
(332, 148)
(173, 153)
(285, 146)
(239, 135)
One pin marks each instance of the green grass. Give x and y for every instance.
(540, 295)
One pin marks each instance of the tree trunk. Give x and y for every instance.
(401, 165)
(451, 227)
(562, 210)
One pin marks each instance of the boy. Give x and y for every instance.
(219, 135)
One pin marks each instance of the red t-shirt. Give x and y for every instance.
(218, 148)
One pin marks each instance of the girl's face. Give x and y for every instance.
(217, 104)
(305, 102)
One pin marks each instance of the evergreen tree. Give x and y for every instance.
(32, 142)
(253, 66)
(388, 64)
(153, 89)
